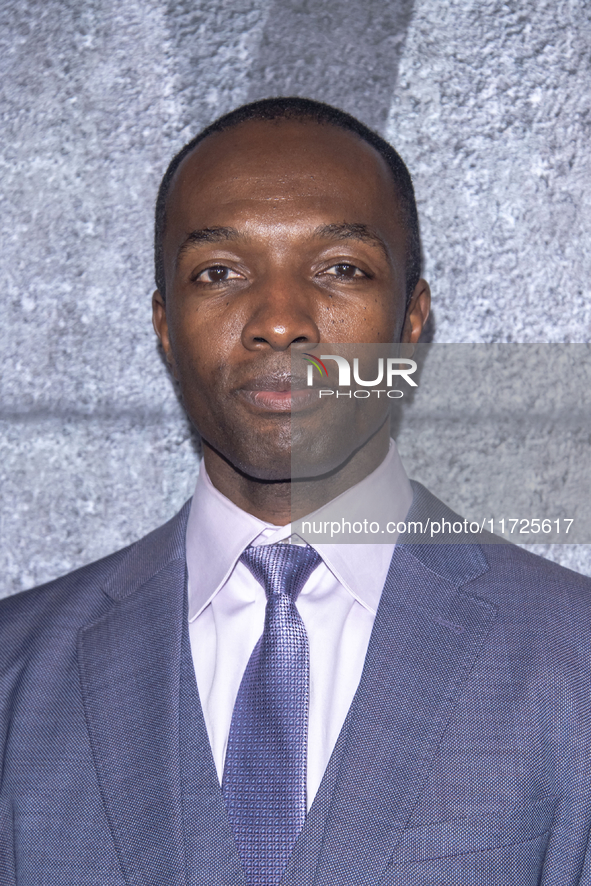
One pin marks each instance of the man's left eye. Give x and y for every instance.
(345, 271)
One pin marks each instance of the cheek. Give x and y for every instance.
(206, 349)
(376, 321)
(384, 318)
(199, 343)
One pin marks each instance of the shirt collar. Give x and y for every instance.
(218, 531)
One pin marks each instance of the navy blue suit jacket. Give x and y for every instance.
(465, 758)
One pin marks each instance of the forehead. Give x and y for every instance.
(266, 168)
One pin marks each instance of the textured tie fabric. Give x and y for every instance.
(264, 781)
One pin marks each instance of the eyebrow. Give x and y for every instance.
(207, 235)
(352, 231)
(342, 231)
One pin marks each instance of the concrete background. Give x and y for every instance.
(488, 103)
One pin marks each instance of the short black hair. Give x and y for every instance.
(304, 109)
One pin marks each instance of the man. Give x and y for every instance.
(411, 714)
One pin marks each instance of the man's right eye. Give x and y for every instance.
(217, 274)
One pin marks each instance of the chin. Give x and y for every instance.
(265, 457)
(276, 470)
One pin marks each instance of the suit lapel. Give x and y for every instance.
(129, 666)
(425, 640)
(164, 805)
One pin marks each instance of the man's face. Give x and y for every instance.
(278, 233)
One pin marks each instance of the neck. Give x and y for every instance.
(282, 501)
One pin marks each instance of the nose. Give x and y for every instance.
(281, 313)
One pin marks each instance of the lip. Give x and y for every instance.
(281, 393)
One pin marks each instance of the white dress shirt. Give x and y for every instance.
(337, 604)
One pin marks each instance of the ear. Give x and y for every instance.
(416, 312)
(160, 324)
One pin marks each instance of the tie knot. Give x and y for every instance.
(281, 568)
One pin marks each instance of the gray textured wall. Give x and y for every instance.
(488, 103)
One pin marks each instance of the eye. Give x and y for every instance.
(217, 274)
(345, 271)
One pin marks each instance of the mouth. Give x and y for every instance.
(279, 393)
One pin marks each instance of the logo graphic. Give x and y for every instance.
(315, 362)
(388, 371)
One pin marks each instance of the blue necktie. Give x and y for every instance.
(264, 782)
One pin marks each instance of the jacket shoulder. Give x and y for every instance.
(552, 585)
(506, 575)
(60, 607)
